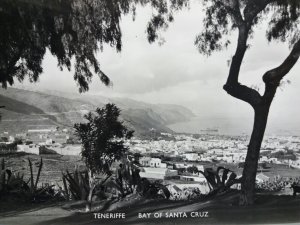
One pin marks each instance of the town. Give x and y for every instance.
(176, 159)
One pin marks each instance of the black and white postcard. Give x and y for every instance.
(149, 112)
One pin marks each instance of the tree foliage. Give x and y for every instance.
(72, 30)
(102, 138)
(223, 17)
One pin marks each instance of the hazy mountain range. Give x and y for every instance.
(26, 109)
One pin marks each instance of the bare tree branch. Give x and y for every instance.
(232, 86)
(255, 7)
(243, 93)
(239, 55)
(273, 77)
(251, 11)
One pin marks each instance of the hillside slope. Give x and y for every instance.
(26, 109)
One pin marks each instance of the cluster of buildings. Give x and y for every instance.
(165, 159)
(39, 141)
(181, 186)
(214, 148)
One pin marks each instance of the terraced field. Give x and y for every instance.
(53, 165)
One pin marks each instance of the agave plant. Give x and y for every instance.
(81, 185)
(10, 182)
(14, 183)
(2, 176)
(127, 180)
(35, 193)
(219, 180)
(34, 183)
(154, 189)
(76, 185)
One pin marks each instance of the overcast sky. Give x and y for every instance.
(176, 73)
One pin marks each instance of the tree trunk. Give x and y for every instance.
(90, 195)
(251, 162)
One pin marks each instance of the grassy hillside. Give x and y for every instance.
(19, 116)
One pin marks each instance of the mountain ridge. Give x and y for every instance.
(24, 106)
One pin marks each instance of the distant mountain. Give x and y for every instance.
(25, 109)
(144, 120)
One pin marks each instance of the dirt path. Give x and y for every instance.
(268, 210)
(36, 216)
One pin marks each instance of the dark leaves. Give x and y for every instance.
(156, 23)
(69, 29)
(217, 25)
(284, 24)
(224, 16)
(162, 16)
(102, 138)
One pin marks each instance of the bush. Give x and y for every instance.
(187, 194)
(8, 147)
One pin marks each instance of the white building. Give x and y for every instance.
(191, 156)
(200, 167)
(152, 162)
(157, 173)
(182, 191)
(40, 131)
(264, 159)
(145, 161)
(197, 178)
(49, 142)
(11, 139)
(32, 149)
(262, 178)
(67, 150)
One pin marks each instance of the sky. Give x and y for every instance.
(176, 73)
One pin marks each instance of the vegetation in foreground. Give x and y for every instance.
(222, 17)
(110, 179)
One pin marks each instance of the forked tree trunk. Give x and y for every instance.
(251, 162)
(261, 104)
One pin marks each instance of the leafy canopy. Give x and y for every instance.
(75, 30)
(72, 30)
(224, 16)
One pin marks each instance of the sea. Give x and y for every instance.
(234, 127)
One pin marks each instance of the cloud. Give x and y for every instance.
(176, 73)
